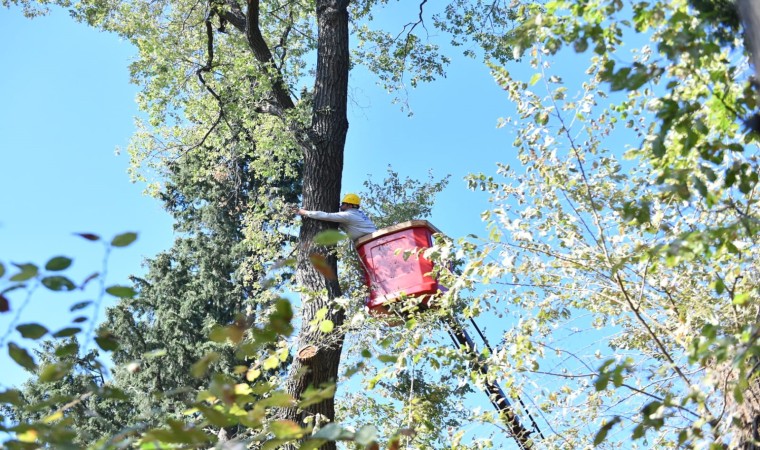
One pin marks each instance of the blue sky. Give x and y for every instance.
(68, 105)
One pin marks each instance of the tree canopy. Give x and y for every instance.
(622, 246)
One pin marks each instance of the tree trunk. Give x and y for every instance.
(323, 168)
(749, 13)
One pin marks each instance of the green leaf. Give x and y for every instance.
(21, 356)
(326, 326)
(121, 291)
(124, 239)
(534, 79)
(58, 283)
(32, 330)
(200, 368)
(58, 263)
(271, 363)
(601, 435)
(388, 358)
(329, 237)
(215, 417)
(277, 399)
(279, 320)
(741, 299)
(155, 353)
(366, 435)
(11, 396)
(2, 270)
(312, 444)
(312, 396)
(80, 305)
(107, 341)
(329, 432)
(67, 332)
(286, 429)
(54, 372)
(27, 271)
(71, 348)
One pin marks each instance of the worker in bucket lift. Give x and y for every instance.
(351, 219)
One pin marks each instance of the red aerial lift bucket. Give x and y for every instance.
(387, 274)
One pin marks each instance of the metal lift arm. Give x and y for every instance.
(495, 393)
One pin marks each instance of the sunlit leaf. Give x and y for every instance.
(312, 396)
(214, 416)
(124, 239)
(53, 417)
(58, 263)
(277, 399)
(275, 444)
(272, 362)
(286, 429)
(329, 237)
(388, 358)
(27, 272)
(27, 436)
(121, 291)
(326, 326)
(155, 353)
(741, 298)
(312, 444)
(54, 372)
(252, 374)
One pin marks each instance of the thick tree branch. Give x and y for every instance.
(263, 55)
(247, 22)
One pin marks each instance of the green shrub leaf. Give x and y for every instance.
(32, 330)
(58, 283)
(58, 263)
(124, 239)
(27, 271)
(121, 291)
(21, 356)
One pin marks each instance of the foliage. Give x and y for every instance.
(394, 200)
(231, 137)
(625, 242)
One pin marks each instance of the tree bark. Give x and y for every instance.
(323, 168)
(322, 149)
(749, 13)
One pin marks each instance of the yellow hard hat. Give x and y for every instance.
(352, 199)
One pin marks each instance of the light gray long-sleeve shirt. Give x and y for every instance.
(353, 221)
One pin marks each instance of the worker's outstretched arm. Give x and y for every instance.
(341, 217)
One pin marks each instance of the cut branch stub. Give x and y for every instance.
(307, 353)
